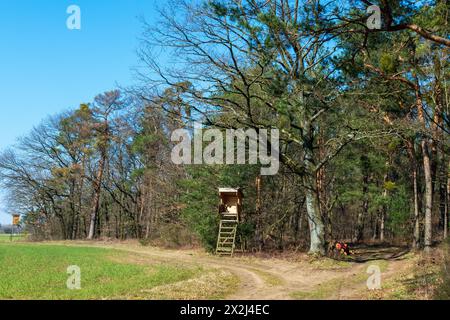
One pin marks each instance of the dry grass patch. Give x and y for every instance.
(214, 285)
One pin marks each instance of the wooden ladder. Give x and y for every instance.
(227, 236)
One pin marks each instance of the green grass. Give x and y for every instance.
(7, 238)
(36, 272)
(326, 290)
(328, 264)
(268, 278)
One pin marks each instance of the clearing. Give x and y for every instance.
(113, 270)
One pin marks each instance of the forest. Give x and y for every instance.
(358, 91)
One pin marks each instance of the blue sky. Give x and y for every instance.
(46, 68)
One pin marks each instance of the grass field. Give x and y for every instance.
(7, 238)
(128, 270)
(29, 271)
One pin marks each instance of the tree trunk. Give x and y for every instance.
(438, 160)
(416, 240)
(259, 222)
(442, 186)
(428, 196)
(316, 227)
(383, 212)
(315, 221)
(428, 238)
(96, 201)
(375, 227)
(447, 207)
(382, 224)
(359, 232)
(412, 157)
(80, 201)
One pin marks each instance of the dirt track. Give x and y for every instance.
(272, 279)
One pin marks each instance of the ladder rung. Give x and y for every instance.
(227, 235)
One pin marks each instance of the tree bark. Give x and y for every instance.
(315, 218)
(96, 201)
(359, 232)
(259, 228)
(428, 196)
(383, 212)
(416, 240)
(425, 144)
(316, 226)
(416, 215)
(447, 207)
(382, 224)
(442, 186)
